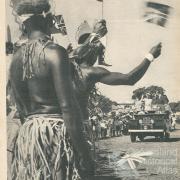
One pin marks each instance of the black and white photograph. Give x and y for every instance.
(92, 90)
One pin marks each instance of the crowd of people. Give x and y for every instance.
(109, 125)
(114, 125)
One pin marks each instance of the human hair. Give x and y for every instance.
(90, 52)
(39, 22)
(83, 38)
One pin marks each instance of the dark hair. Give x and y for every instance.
(91, 54)
(39, 22)
(83, 38)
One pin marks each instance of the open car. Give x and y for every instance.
(151, 124)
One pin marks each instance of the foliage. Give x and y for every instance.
(157, 93)
(175, 106)
(99, 103)
(138, 93)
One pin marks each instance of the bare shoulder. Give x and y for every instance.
(53, 46)
(55, 53)
(16, 59)
(98, 72)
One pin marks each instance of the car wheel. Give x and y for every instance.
(162, 137)
(141, 138)
(133, 137)
(167, 136)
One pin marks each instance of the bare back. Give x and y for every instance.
(32, 80)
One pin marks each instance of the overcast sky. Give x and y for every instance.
(129, 39)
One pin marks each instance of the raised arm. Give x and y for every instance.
(72, 116)
(114, 78)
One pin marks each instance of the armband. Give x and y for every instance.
(150, 57)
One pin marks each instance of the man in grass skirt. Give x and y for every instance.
(50, 144)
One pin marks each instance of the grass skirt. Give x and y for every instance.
(43, 150)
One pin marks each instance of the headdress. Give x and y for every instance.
(30, 6)
(24, 9)
(84, 30)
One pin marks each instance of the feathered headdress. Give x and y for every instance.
(83, 32)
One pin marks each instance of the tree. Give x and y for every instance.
(138, 93)
(175, 106)
(99, 103)
(156, 93)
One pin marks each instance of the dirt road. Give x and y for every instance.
(162, 164)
